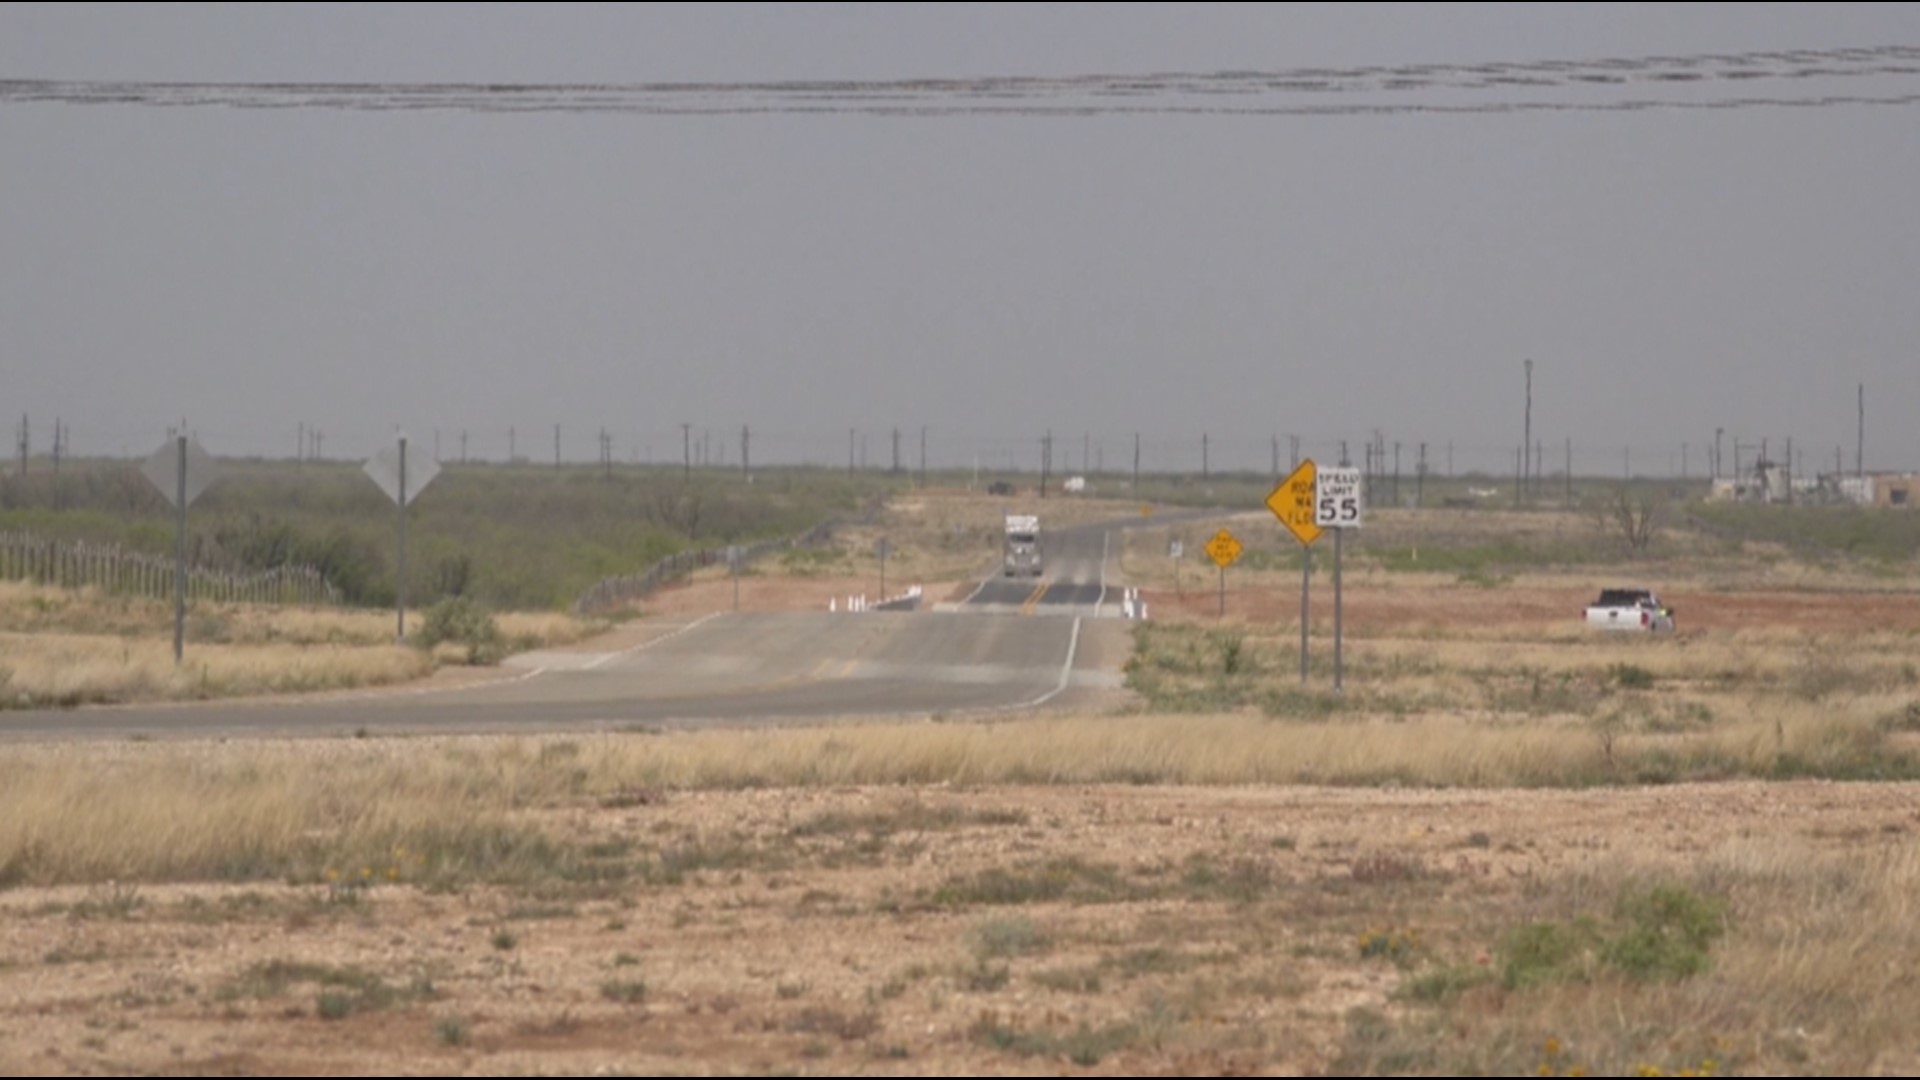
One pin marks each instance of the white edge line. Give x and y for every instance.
(651, 642)
(1066, 672)
(1106, 543)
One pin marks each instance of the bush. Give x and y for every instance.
(463, 622)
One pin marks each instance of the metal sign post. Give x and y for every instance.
(1291, 500)
(400, 547)
(733, 567)
(1306, 578)
(181, 470)
(1224, 549)
(1338, 637)
(180, 559)
(390, 469)
(1338, 505)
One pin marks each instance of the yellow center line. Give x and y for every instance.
(1026, 606)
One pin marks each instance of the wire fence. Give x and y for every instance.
(79, 564)
(617, 592)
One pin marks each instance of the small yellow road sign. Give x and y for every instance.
(1224, 549)
(1292, 502)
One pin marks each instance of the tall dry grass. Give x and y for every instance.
(164, 811)
(44, 671)
(65, 647)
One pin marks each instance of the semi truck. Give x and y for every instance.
(1021, 551)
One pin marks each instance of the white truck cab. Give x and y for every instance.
(1021, 550)
(1633, 610)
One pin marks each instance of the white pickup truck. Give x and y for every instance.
(1636, 610)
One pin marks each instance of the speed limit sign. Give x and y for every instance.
(1338, 502)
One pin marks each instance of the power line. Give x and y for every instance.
(1278, 92)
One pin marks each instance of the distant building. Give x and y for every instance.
(1880, 489)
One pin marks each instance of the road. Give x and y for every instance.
(984, 656)
(1075, 581)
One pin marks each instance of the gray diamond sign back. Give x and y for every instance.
(384, 469)
(162, 470)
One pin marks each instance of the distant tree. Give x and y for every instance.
(1635, 520)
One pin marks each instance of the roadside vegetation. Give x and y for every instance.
(516, 537)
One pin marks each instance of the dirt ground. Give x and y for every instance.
(854, 931)
(1372, 608)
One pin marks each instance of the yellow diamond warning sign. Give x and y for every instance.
(1223, 549)
(1292, 502)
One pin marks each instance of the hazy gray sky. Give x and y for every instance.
(1670, 271)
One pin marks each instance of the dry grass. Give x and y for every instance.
(64, 670)
(170, 812)
(1805, 979)
(1143, 930)
(64, 647)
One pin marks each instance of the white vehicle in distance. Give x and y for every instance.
(1634, 610)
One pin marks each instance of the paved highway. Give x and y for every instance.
(719, 670)
(983, 656)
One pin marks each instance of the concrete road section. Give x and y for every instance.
(720, 670)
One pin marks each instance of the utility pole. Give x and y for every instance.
(1717, 432)
(1086, 451)
(896, 451)
(1449, 461)
(1860, 448)
(56, 445)
(746, 462)
(513, 448)
(1396, 473)
(300, 445)
(1420, 480)
(1276, 457)
(463, 446)
(1205, 466)
(923, 455)
(556, 446)
(1526, 443)
(1136, 461)
(606, 454)
(24, 444)
(686, 450)
(849, 449)
(1046, 461)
